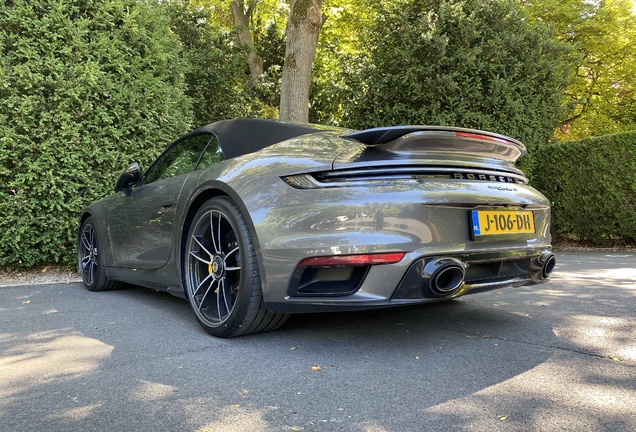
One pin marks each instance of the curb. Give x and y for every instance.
(53, 282)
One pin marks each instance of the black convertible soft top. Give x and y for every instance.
(243, 136)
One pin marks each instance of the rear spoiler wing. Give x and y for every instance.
(440, 139)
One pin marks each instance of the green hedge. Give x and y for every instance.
(592, 188)
(85, 88)
(217, 80)
(478, 63)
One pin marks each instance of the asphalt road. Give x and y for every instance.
(560, 356)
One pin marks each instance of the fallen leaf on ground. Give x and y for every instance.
(502, 417)
(316, 368)
(616, 359)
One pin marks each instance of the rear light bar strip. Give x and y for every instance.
(409, 172)
(409, 175)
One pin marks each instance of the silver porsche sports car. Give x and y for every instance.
(252, 220)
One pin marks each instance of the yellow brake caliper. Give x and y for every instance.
(210, 271)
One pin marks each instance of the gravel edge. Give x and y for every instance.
(43, 275)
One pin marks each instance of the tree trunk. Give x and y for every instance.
(303, 29)
(244, 37)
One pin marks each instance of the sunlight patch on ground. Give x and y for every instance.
(48, 356)
(236, 418)
(4, 337)
(372, 427)
(76, 414)
(245, 417)
(612, 337)
(624, 278)
(152, 391)
(520, 400)
(617, 274)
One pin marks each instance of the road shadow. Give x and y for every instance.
(136, 359)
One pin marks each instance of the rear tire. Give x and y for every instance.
(221, 275)
(90, 262)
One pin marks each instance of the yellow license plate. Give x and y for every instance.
(497, 222)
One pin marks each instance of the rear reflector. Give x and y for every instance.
(482, 137)
(352, 260)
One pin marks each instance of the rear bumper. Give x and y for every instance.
(425, 221)
(473, 273)
(411, 281)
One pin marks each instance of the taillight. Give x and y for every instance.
(482, 137)
(352, 260)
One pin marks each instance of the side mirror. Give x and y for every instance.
(128, 178)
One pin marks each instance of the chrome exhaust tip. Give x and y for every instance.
(444, 275)
(548, 261)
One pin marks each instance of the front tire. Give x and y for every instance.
(90, 262)
(221, 274)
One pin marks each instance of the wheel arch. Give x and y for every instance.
(85, 215)
(102, 230)
(204, 193)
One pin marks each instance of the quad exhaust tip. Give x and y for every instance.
(548, 261)
(444, 275)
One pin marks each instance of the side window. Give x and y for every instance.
(212, 155)
(180, 158)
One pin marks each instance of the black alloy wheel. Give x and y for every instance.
(221, 274)
(89, 260)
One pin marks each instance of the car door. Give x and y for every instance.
(142, 222)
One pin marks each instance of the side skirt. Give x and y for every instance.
(153, 279)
